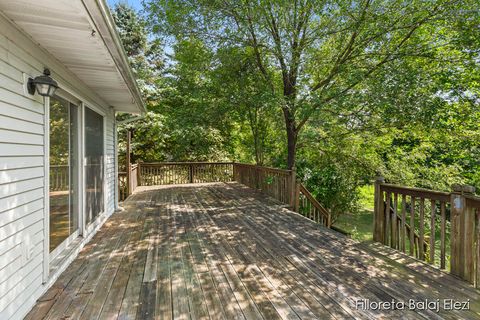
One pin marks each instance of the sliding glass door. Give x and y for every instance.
(65, 174)
(63, 189)
(94, 165)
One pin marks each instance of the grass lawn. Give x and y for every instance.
(359, 225)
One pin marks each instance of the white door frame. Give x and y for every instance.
(46, 190)
(47, 255)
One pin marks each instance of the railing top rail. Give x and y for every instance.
(314, 201)
(416, 192)
(182, 163)
(285, 171)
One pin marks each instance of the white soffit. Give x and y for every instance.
(82, 41)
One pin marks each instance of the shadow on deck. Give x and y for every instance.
(221, 251)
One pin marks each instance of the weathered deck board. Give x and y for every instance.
(221, 251)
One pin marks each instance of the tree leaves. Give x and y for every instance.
(358, 87)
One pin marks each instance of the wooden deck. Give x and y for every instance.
(220, 251)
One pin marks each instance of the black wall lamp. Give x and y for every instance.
(44, 84)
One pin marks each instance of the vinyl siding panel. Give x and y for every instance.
(19, 99)
(20, 199)
(110, 162)
(10, 136)
(21, 183)
(17, 149)
(11, 163)
(15, 112)
(9, 71)
(17, 239)
(22, 175)
(16, 124)
(20, 187)
(25, 210)
(31, 276)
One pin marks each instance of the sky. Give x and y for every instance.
(136, 4)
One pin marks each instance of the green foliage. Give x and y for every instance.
(313, 55)
(358, 225)
(145, 56)
(349, 89)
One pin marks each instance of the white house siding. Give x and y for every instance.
(22, 178)
(110, 159)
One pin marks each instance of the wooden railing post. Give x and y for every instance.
(296, 207)
(129, 166)
(379, 212)
(462, 234)
(190, 173)
(139, 173)
(292, 188)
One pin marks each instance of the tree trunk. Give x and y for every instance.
(289, 94)
(291, 138)
(291, 147)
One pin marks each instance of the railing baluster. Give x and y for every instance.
(387, 220)
(412, 225)
(432, 231)
(403, 228)
(442, 234)
(394, 221)
(422, 228)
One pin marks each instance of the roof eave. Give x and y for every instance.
(101, 16)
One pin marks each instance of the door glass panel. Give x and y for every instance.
(94, 171)
(63, 171)
(74, 169)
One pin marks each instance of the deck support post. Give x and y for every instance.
(463, 238)
(379, 212)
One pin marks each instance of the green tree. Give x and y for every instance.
(144, 55)
(310, 53)
(348, 89)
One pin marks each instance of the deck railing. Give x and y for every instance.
(441, 228)
(161, 173)
(308, 206)
(59, 177)
(279, 184)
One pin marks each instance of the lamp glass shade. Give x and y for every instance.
(43, 89)
(51, 91)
